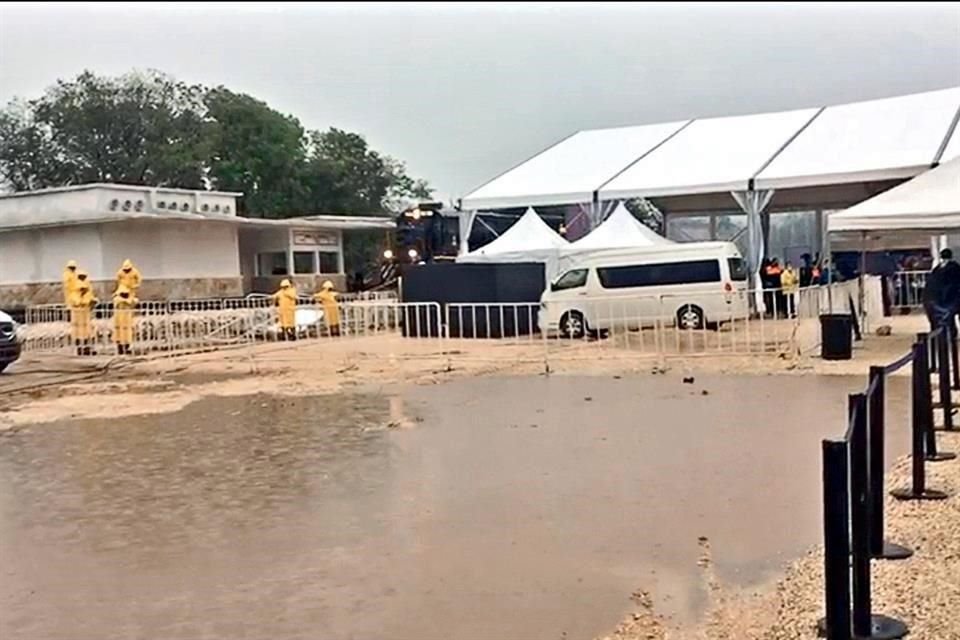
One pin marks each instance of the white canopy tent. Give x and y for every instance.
(529, 239)
(928, 204)
(619, 231)
(749, 157)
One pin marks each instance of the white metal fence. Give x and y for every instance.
(625, 327)
(908, 289)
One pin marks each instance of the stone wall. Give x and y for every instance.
(19, 296)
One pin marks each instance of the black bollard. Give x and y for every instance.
(943, 381)
(866, 626)
(879, 548)
(836, 541)
(920, 403)
(955, 353)
(932, 455)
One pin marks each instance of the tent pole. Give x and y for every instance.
(861, 296)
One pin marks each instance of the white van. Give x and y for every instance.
(695, 285)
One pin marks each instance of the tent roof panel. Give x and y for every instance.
(929, 201)
(715, 154)
(878, 139)
(570, 171)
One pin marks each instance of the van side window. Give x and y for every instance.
(738, 270)
(570, 280)
(664, 273)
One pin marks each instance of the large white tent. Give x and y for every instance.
(529, 239)
(749, 158)
(929, 203)
(619, 231)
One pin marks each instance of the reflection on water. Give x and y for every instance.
(514, 508)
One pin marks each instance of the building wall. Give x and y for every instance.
(39, 255)
(168, 249)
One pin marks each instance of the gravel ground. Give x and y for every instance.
(923, 591)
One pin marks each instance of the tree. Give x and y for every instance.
(149, 129)
(647, 213)
(256, 150)
(138, 129)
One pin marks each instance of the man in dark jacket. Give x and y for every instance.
(941, 295)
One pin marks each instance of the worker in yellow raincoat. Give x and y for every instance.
(69, 281)
(327, 297)
(286, 299)
(128, 276)
(124, 302)
(82, 301)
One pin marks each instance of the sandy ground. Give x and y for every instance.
(922, 591)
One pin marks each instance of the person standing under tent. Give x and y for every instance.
(327, 297)
(941, 295)
(789, 283)
(124, 302)
(82, 302)
(69, 281)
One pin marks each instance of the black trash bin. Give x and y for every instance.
(836, 336)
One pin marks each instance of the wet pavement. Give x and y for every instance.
(484, 508)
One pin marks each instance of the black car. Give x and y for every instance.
(9, 341)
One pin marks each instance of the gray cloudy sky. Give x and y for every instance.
(462, 93)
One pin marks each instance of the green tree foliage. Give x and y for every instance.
(256, 150)
(148, 128)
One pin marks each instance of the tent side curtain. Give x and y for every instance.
(931, 202)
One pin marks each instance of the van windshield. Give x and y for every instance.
(738, 270)
(570, 280)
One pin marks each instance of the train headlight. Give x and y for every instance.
(413, 254)
(388, 254)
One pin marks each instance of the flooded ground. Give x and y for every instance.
(483, 508)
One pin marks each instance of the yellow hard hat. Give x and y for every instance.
(71, 264)
(284, 283)
(326, 285)
(127, 265)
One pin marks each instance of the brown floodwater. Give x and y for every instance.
(503, 508)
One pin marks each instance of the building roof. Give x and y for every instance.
(891, 138)
(117, 187)
(100, 203)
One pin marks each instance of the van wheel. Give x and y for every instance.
(572, 325)
(690, 317)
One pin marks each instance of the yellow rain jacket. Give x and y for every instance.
(286, 299)
(128, 277)
(331, 309)
(124, 302)
(82, 302)
(790, 280)
(69, 282)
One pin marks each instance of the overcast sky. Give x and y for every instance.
(463, 93)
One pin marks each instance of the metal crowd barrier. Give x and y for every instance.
(853, 478)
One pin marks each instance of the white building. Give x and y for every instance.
(187, 244)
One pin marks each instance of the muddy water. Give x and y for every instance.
(507, 508)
